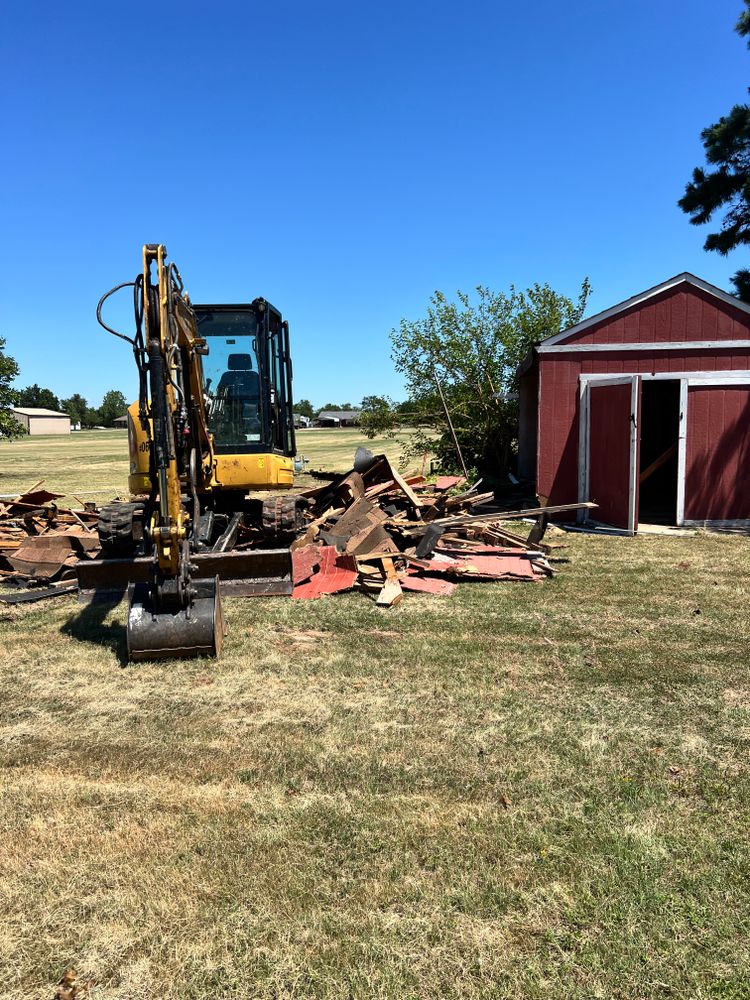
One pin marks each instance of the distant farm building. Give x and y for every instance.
(37, 420)
(337, 418)
(644, 409)
(121, 422)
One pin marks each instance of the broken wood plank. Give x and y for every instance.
(305, 561)
(391, 593)
(429, 585)
(336, 573)
(509, 515)
(402, 483)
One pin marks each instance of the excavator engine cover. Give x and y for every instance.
(157, 633)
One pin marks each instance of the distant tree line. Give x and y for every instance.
(306, 409)
(76, 406)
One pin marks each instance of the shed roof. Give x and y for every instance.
(338, 414)
(684, 278)
(38, 411)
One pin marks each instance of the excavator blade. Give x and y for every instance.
(247, 573)
(158, 634)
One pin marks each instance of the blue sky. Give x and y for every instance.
(344, 160)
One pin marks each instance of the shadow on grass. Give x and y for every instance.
(88, 626)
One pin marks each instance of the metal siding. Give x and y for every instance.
(717, 475)
(49, 425)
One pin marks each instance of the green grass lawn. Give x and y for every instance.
(94, 464)
(525, 791)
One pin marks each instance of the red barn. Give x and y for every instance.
(645, 409)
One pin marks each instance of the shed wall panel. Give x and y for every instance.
(717, 473)
(681, 313)
(557, 460)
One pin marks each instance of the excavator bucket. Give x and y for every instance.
(156, 633)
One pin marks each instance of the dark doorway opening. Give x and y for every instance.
(660, 432)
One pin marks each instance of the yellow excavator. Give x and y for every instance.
(212, 447)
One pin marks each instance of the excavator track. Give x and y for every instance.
(120, 529)
(281, 517)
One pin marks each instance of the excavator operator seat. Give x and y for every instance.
(240, 382)
(238, 393)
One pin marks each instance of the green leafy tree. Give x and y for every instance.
(113, 406)
(337, 406)
(378, 414)
(471, 349)
(9, 426)
(91, 417)
(305, 408)
(725, 186)
(34, 395)
(75, 407)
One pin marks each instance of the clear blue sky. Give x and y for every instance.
(344, 160)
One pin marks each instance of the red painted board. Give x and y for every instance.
(504, 567)
(305, 561)
(609, 452)
(477, 549)
(717, 453)
(497, 567)
(448, 482)
(337, 572)
(428, 585)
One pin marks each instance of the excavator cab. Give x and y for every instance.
(247, 378)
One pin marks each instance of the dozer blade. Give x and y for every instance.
(249, 573)
(158, 634)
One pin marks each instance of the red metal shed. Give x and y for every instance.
(645, 409)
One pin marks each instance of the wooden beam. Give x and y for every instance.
(672, 450)
(391, 593)
(509, 515)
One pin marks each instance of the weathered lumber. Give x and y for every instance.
(391, 593)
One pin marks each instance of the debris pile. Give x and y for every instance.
(40, 544)
(370, 529)
(385, 534)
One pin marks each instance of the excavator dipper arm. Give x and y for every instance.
(174, 613)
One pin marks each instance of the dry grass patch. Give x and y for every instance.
(523, 791)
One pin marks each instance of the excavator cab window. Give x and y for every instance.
(231, 378)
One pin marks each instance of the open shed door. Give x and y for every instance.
(610, 421)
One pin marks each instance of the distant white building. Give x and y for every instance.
(337, 418)
(37, 420)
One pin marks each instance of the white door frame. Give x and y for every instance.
(584, 444)
(686, 380)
